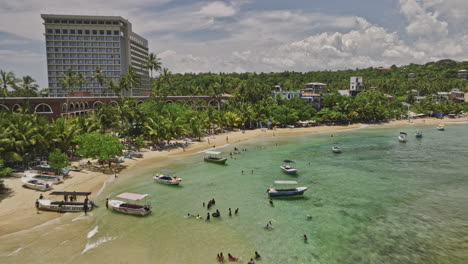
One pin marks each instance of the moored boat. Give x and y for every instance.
(336, 148)
(286, 191)
(167, 177)
(130, 208)
(402, 137)
(418, 134)
(441, 127)
(68, 205)
(288, 167)
(43, 177)
(215, 157)
(36, 184)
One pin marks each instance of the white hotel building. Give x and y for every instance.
(85, 42)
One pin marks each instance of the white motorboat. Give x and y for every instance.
(336, 148)
(43, 177)
(441, 127)
(167, 177)
(66, 206)
(288, 167)
(214, 156)
(286, 191)
(403, 137)
(418, 134)
(36, 184)
(130, 208)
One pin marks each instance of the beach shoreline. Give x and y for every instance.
(18, 212)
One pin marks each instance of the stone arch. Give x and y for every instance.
(4, 107)
(82, 105)
(71, 106)
(43, 108)
(86, 105)
(114, 103)
(77, 106)
(97, 104)
(214, 103)
(169, 101)
(15, 108)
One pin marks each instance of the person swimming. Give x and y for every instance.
(257, 256)
(231, 258)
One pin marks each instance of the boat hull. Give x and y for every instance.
(61, 206)
(274, 192)
(37, 185)
(126, 208)
(168, 182)
(402, 139)
(336, 150)
(288, 170)
(216, 160)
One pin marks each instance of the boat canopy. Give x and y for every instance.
(403, 133)
(288, 161)
(285, 182)
(165, 171)
(212, 152)
(71, 193)
(132, 196)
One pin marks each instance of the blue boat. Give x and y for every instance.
(273, 192)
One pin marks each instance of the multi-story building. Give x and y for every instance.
(278, 91)
(83, 43)
(314, 93)
(356, 85)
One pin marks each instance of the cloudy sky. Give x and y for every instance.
(255, 35)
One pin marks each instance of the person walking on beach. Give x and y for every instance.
(41, 197)
(236, 211)
(207, 216)
(271, 202)
(251, 261)
(230, 213)
(107, 203)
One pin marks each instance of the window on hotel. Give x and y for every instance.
(86, 22)
(64, 31)
(93, 22)
(56, 21)
(65, 38)
(79, 22)
(65, 43)
(57, 31)
(86, 32)
(50, 31)
(101, 22)
(94, 32)
(101, 32)
(71, 22)
(72, 31)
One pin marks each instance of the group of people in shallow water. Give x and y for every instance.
(217, 213)
(220, 258)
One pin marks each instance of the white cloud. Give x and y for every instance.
(422, 22)
(218, 9)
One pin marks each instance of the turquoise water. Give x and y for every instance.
(380, 201)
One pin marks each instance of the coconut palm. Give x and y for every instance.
(7, 79)
(64, 131)
(68, 83)
(130, 80)
(153, 63)
(99, 76)
(28, 86)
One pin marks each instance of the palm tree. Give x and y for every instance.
(99, 76)
(153, 63)
(68, 83)
(114, 86)
(29, 86)
(7, 79)
(130, 80)
(80, 80)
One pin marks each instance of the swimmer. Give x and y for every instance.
(257, 256)
(305, 238)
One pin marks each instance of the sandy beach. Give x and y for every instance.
(17, 209)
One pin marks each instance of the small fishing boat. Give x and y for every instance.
(167, 177)
(36, 184)
(272, 192)
(43, 177)
(403, 137)
(214, 156)
(418, 134)
(288, 167)
(441, 127)
(66, 206)
(130, 208)
(336, 148)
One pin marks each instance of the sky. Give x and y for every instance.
(255, 35)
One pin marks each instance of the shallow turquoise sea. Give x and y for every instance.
(380, 201)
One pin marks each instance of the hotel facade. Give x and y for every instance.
(83, 43)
